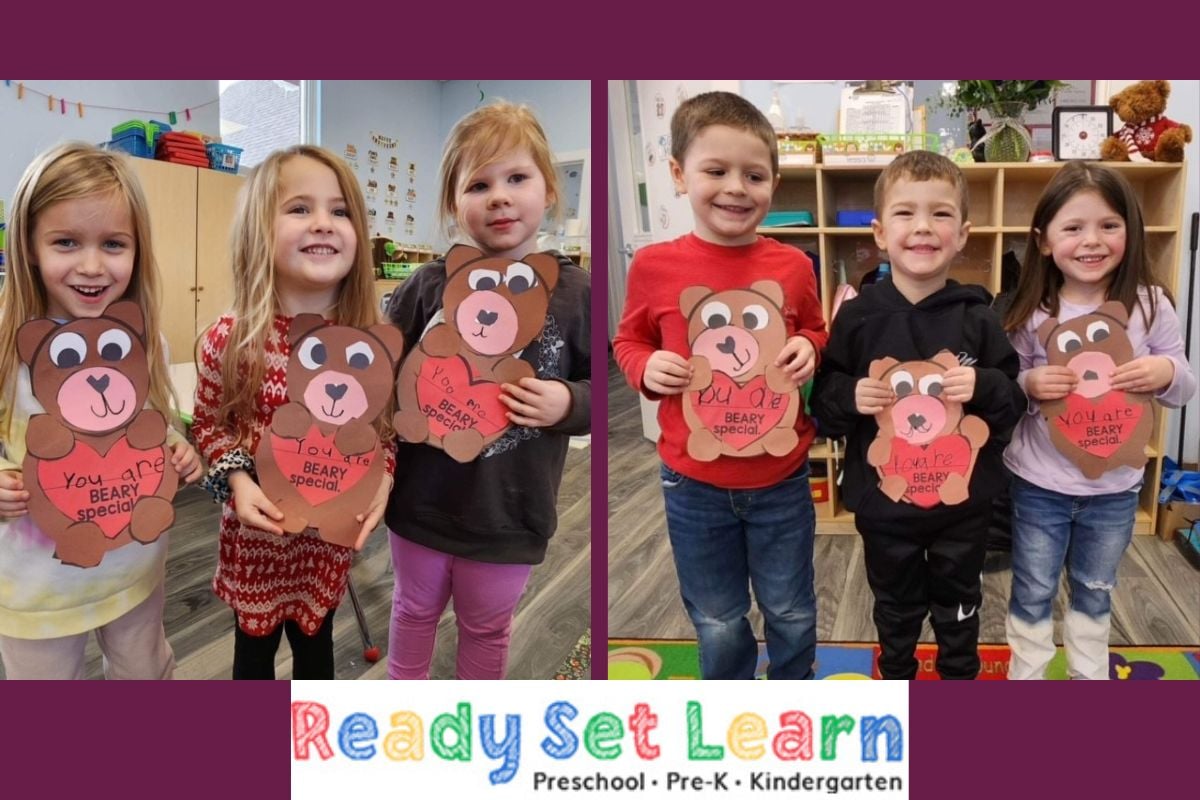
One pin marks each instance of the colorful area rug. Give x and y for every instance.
(578, 666)
(659, 659)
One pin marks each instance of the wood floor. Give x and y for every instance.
(552, 615)
(1156, 602)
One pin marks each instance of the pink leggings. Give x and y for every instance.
(485, 597)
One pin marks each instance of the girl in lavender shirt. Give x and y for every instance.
(1087, 246)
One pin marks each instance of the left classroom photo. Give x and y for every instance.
(292, 386)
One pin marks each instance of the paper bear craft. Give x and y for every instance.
(926, 447)
(448, 391)
(738, 402)
(1096, 427)
(321, 461)
(97, 467)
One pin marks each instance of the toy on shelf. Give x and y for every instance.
(1147, 135)
(138, 137)
(872, 148)
(182, 148)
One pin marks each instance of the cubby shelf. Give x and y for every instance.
(1002, 199)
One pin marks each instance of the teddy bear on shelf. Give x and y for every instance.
(1147, 135)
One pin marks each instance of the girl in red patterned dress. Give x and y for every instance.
(299, 246)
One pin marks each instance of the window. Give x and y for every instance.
(261, 116)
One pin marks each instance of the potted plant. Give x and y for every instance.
(1006, 103)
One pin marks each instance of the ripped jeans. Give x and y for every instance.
(1089, 536)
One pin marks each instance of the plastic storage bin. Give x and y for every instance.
(223, 157)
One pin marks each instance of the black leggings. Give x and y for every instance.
(312, 656)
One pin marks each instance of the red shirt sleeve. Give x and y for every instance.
(212, 439)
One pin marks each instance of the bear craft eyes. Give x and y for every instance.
(68, 350)
(114, 344)
(754, 317)
(1098, 331)
(902, 383)
(931, 385)
(1069, 341)
(482, 280)
(520, 278)
(312, 353)
(716, 315)
(359, 355)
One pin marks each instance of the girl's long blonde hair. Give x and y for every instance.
(71, 171)
(255, 303)
(487, 135)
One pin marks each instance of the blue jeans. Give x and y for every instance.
(1089, 536)
(726, 541)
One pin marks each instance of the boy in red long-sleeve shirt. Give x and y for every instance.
(702, 315)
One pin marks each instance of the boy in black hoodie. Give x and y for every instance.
(920, 559)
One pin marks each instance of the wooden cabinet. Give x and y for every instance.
(1002, 199)
(191, 215)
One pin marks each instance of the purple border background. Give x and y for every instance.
(1039, 740)
(141, 739)
(599, 379)
(217, 739)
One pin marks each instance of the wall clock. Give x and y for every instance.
(1077, 131)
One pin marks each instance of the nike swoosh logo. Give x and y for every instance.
(967, 615)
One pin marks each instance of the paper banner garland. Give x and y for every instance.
(97, 466)
(448, 392)
(321, 462)
(926, 447)
(1096, 427)
(738, 403)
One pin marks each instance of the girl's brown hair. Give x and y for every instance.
(254, 300)
(1041, 280)
(71, 171)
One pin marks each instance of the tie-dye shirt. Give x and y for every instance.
(43, 598)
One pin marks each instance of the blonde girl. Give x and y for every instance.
(299, 246)
(79, 240)
(473, 532)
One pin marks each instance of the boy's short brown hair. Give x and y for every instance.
(720, 108)
(921, 165)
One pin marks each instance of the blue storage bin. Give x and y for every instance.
(133, 142)
(223, 157)
(855, 219)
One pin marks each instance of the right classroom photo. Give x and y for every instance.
(900, 380)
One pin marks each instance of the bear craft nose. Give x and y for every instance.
(916, 420)
(335, 392)
(486, 317)
(728, 346)
(99, 384)
(1090, 376)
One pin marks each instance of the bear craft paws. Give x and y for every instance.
(778, 381)
(701, 374)
(442, 341)
(151, 516)
(463, 446)
(291, 421)
(411, 426)
(79, 546)
(954, 489)
(511, 370)
(354, 438)
(147, 430)
(703, 446)
(781, 441)
(894, 487)
(48, 439)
